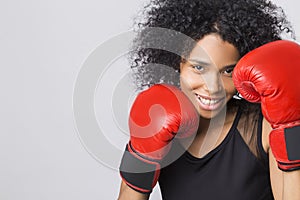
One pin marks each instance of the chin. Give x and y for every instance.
(210, 114)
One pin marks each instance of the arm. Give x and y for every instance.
(291, 185)
(126, 193)
(285, 185)
(157, 116)
(269, 75)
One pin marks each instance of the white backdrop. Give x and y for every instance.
(43, 45)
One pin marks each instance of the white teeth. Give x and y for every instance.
(208, 101)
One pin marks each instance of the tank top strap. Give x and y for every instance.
(237, 118)
(262, 154)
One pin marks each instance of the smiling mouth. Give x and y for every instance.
(209, 101)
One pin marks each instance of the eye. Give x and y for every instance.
(198, 68)
(228, 71)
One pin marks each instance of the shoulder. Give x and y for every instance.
(276, 175)
(266, 130)
(253, 118)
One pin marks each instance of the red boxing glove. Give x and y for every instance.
(156, 116)
(270, 75)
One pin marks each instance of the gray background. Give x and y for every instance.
(43, 44)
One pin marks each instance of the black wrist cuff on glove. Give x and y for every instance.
(292, 141)
(139, 173)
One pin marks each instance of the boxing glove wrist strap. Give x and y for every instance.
(288, 156)
(292, 140)
(138, 172)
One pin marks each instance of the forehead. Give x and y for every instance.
(214, 50)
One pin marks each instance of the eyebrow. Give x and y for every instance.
(229, 66)
(200, 62)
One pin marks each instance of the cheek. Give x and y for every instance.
(189, 80)
(229, 87)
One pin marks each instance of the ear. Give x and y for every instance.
(182, 62)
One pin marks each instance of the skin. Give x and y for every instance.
(206, 73)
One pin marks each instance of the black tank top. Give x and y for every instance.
(229, 172)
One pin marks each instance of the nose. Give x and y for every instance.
(212, 82)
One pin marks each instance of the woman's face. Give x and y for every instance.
(205, 76)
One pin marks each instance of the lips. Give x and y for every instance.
(208, 103)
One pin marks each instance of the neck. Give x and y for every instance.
(211, 133)
(226, 116)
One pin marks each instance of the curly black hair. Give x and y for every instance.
(246, 24)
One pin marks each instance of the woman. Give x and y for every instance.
(229, 157)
